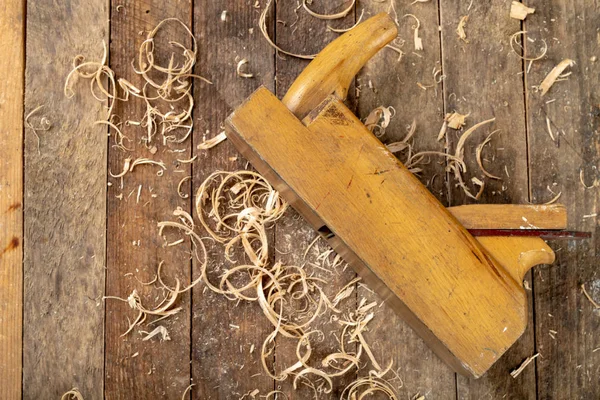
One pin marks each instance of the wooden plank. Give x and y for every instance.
(511, 216)
(65, 211)
(394, 83)
(136, 368)
(299, 32)
(222, 362)
(567, 325)
(12, 67)
(484, 79)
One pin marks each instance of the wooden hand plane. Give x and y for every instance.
(461, 293)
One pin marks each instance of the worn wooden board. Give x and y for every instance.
(385, 81)
(136, 368)
(301, 33)
(12, 66)
(484, 78)
(65, 209)
(222, 362)
(567, 326)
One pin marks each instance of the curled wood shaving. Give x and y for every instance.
(126, 166)
(210, 143)
(525, 363)
(274, 395)
(164, 309)
(44, 125)
(181, 182)
(458, 169)
(159, 330)
(596, 183)
(241, 63)
(262, 24)
(478, 155)
(186, 391)
(460, 30)
(520, 11)
(587, 295)
(146, 161)
(338, 15)
(549, 129)
(397, 147)
(188, 161)
(72, 394)
(119, 136)
(513, 41)
(365, 387)
(555, 74)
(338, 30)
(379, 119)
(554, 199)
(418, 42)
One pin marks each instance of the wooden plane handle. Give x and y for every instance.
(334, 68)
(517, 255)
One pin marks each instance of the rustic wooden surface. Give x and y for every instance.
(64, 205)
(568, 365)
(219, 348)
(135, 368)
(71, 219)
(12, 45)
(293, 234)
(483, 78)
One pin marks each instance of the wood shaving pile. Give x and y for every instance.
(235, 209)
(166, 90)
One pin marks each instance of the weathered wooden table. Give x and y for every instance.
(66, 240)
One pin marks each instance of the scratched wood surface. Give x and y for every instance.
(12, 45)
(496, 92)
(154, 368)
(293, 234)
(567, 324)
(77, 233)
(64, 205)
(226, 335)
